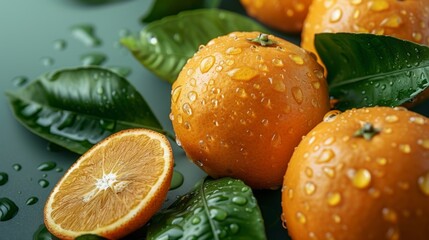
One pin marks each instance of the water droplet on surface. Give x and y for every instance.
(296, 59)
(389, 215)
(310, 188)
(8, 209)
(196, 220)
(297, 94)
(337, 219)
(3, 178)
(331, 115)
(334, 198)
(301, 217)
(93, 59)
(17, 167)
(424, 143)
(277, 62)
(360, 178)
(309, 172)
(405, 148)
(60, 44)
(122, 71)
(207, 63)
(290, 193)
(31, 201)
(175, 94)
(234, 228)
(392, 118)
(336, 15)
(19, 81)
(243, 74)
(47, 61)
(239, 200)
(329, 171)
(85, 33)
(43, 183)
(218, 214)
(326, 156)
(176, 180)
(378, 5)
(423, 182)
(393, 234)
(46, 166)
(233, 50)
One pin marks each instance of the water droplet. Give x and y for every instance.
(122, 71)
(301, 217)
(175, 93)
(378, 5)
(297, 94)
(424, 143)
(276, 140)
(93, 59)
(187, 109)
(393, 234)
(330, 172)
(31, 201)
(405, 148)
(108, 125)
(3, 178)
(360, 178)
(337, 219)
(60, 44)
(8, 209)
(58, 169)
(417, 120)
(207, 63)
(277, 62)
(196, 220)
(218, 214)
(310, 188)
(43, 183)
(239, 200)
(296, 59)
(47, 61)
(423, 182)
(85, 33)
(243, 74)
(393, 21)
(326, 156)
(19, 81)
(331, 115)
(373, 192)
(176, 180)
(46, 166)
(234, 228)
(334, 198)
(233, 50)
(392, 118)
(336, 15)
(309, 172)
(279, 86)
(17, 167)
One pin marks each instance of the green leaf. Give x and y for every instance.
(215, 209)
(76, 108)
(372, 70)
(164, 46)
(164, 8)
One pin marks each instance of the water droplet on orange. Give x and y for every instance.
(336, 15)
(326, 156)
(192, 96)
(297, 59)
(424, 143)
(276, 140)
(337, 219)
(316, 84)
(393, 21)
(423, 182)
(373, 192)
(301, 217)
(175, 94)
(233, 50)
(381, 161)
(360, 178)
(378, 5)
(393, 234)
(297, 94)
(309, 172)
(330, 172)
(405, 148)
(309, 188)
(392, 118)
(279, 86)
(243, 74)
(334, 198)
(207, 63)
(331, 115)
(290, 193)
(187, 108)
(389, 215)
(277, 62)
(417, 120)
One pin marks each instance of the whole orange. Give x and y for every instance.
(284, 15)
(239, 108)
(407, 20)
(362, 174)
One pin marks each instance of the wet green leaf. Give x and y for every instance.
(164, 8)
(76, 108)
(215, 209)
(164, 46)
(373, 70)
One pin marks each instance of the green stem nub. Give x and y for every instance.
(262, 40)
(368, 131)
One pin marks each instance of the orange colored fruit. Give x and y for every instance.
(114, 188)
(407, 20)
(362, 174)
(283, 15)
(239, 108)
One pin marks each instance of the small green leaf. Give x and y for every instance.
(215, 209)
(373, 70)
(164, 46)
(164, 8)
(76, 108)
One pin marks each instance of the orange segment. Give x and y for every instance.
(114, 188)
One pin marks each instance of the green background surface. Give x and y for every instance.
(28, 31)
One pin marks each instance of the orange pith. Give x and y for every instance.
(112, 189)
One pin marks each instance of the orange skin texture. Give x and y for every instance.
(408, 20)
(388, 205)
(245, 120)
(283, 15)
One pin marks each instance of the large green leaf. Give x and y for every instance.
(164, 8)
(373, 70)
(215, 209)
(76, 108)
(164, 46)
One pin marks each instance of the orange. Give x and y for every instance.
(283, 15)
(407, 20)
(112, 189)
(362, 174)
(239, 108)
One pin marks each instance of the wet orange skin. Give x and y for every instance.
(239, 108)
(389, 201)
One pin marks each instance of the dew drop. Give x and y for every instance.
(17, 167)
(393, 21)
(31, 201)
(218, 214)
(360, 178)
(301, 217)
(297, 94)
(207, 63)
(8, 209)
(378, 5)
(331, 115)
(326, 156)
(329, 171)
(392, 234)
(310, 188)
(47, 61)
(417, 120)
(373, 192)
(176, 180)
(19, 81)
(85, 33)
(43, 183)
(290, 193)
(46, 166)
(239, 200)
(423, 182)
(337, 219)
(277, 62)
(405, 148)
(279, 86)
(233, 51)
(60, 44)
(309, 172)
(234, 228)
(192, 96)
(392, 118)
(243, 74)
(381, 161)
(296, 59)
(336, 15)
(424, 143)
(175, 94)
(3, 178)
(93, 59)
(334, 198)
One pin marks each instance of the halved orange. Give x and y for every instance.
(114, 188)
